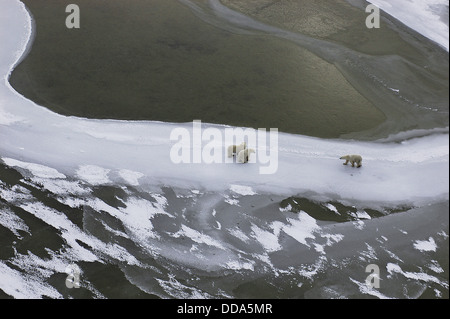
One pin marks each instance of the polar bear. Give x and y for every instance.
(352, 159)
(235, 149)
(244, 155)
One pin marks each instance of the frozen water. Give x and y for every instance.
(413, 171)
(69, 157)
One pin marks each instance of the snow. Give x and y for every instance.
(301, 228)
(242, 190)
(71, 234)
(268, 239)
(332, 208)
(425, 245)
(15, 284)
(93, 174)
(197, 237)
(238, 234)
(61, 186)
(36, 169)
(12, 222)
(16, 193)
(130, 177)
(418, 276)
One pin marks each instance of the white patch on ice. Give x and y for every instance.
(94, 175)
(16, 193)
(365, 289)
(12, 222)
(392, 255)
(309, 271)
(38, 267)
(238, 234)
(332, 208)
(288, 208)
(425, 245)
(359, 224)
(71, 233)
(61, 186)
(231, 201)
(368, 254)
(394, 90)
(332, 238)
(197, 237)
(73, 202)
(443, 234)
(23, 286)
(242, 190)
(131, 177)
(434, 266)
(394, 268)
(319, 248)
(240, 264)
(136, 216)
(35, 169)
(177, 290)
(362, 215)
(268, 239)
(301, 228)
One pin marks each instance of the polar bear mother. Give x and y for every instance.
(235, 149)
(352, 159)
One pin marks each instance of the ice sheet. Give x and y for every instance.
(71, 156)
(414, 171)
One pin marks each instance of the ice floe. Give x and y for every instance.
(425, 245)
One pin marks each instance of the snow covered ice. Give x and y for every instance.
(72, 157)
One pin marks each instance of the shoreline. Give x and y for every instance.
(26, 88)
(376, 130)
(30, 41)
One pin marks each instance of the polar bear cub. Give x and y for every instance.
(352, 159)
(235, 149)
(243, 155)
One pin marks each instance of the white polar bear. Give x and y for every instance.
(235, 149)
(352, 159)
(244, 155)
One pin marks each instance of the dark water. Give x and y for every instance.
(163, 242)
(159, 60)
